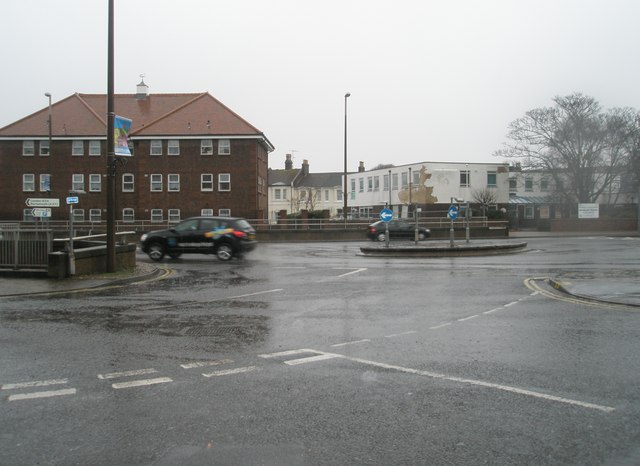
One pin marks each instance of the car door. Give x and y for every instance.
(186, 234)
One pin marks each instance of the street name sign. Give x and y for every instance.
(72, 200)
(386, 215)
(41, 212)
(42, 202)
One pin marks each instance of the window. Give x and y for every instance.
(224, 182)
(353, 188)
(28, 182)
(385, 183)
(28, 148)
(206, 182)
(224, 147)
(528, 184)
(361, 185)
(128, 215)
(544, 185)
(376, 183)
(94, 147)
(513, 185)
(492, 179)
(465, 178)
(405, 180)
(416, 177)
(95, 215)
(44, 148)
(77, 182)
(326, 195)
(78, 215)
(528, 212)
(45, 182)
(77, 147)
(369, 183)
(127, 183)
(394, 181)
(156, 147)
(173, 147)
(156, 215)
(276, 194)
(339, 195)
(206, 212)
(174, 215)
(284, 193)
(95, 182)
(173, 183)
(224, 212)
(156, 182)
(206, 147)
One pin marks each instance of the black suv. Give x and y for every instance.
(397, 229)
(226, 237)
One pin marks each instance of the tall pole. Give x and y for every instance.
(49, 124)
(344, 188)
(111, 158)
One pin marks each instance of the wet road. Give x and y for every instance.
(312, 354)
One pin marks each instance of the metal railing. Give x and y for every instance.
(25, 248)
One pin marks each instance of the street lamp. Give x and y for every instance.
(49, 124)
(344, 190)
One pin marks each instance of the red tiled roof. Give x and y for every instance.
(157, 115)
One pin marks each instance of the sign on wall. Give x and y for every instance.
(588, 210)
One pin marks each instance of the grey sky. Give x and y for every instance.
(430, 80)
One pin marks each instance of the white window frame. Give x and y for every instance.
(206, 212)
(206, 147)
(528, 184)
(376, 184)
(544, 185)
(28, 148)
(173, 183)
(28, 182)
(156, 216)
(78, 215)
(45, 150)
(495, 179)
(155, 147)
(173, 215)
(465, 178)
(94, 148)
(360, 185)
(43, 182)
(405, 180)
(77, 182)
(224, 212)
(95, 182)
(224, 147)
(95, 215)
(128, 215)
(206, 182)
(77, 147)
(154, 180)
(128, 183)
(529, 212)
(369, 184)
(224, 180)
(277, 194)
(173, 147)
(394, 181)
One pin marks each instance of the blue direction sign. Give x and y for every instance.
(386, 215)
(72, 200)
(452, 213)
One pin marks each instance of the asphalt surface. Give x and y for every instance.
(613, 290)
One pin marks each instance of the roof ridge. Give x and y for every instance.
(93, 112)
(171, 112)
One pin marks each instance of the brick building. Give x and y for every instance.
(192, 155)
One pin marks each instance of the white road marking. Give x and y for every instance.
(141, 383)
(320, 357)
(48, 394)
(493, 310)
(480, 383)
(35, 383)
(350, 273)
(439, 326)
(254, 294)
(393, 335)
(216, 362)
(115, 375)
(292, 267)
(239, 370)
(287, 353)
(350, 343)
(510, 304)
(468, 318)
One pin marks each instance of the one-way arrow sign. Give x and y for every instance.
(42, 202)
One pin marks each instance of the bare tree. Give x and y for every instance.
(486, 198)
(583, 148)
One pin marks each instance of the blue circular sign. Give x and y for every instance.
(452, 213)
(386, 215)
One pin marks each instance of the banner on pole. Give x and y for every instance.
(121, 127)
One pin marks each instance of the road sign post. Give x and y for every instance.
(452, 213)
(386, 215)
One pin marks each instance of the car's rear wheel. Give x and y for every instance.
(156, 251)
(224, 252)
(381, 237)
(421, 236)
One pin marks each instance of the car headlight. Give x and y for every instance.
(143, 238)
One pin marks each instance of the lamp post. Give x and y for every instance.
(111, 159)
(344, 188)
(49, 124)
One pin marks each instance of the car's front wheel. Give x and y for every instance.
(156, 251)
(381, 237)
(224, 252)
(421, 236)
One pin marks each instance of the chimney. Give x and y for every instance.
(288, 164)
(305, 167)
(142, 91)
(361, 167)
